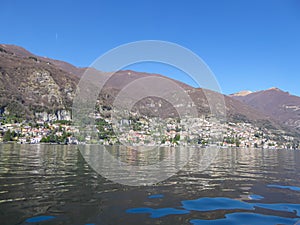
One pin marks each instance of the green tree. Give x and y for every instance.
(237, 143)
(45, 140)
(177, 138)
(7, 136)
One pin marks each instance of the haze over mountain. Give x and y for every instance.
(31, 84)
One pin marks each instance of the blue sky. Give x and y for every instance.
(248, 44)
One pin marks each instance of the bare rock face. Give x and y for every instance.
(42, 81)
(63, 115)
(50, 117)
(30, 85)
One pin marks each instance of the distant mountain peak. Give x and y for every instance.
(276, 103)
(277, 90)
(246, 92)
(274, 89)
(242, 93)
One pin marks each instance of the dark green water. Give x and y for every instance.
(51, 184)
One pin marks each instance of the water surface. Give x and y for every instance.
(52, 184)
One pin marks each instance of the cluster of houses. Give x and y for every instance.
(202, 131)
(26, 133)
(150, 131)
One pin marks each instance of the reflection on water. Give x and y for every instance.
(157, 213)
(246, 219)
(293, 188)
(39, 219)
(255, 197)
(136, 166)
(213, 204)
(52, 184)
(156, 196)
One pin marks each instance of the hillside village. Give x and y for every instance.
(202, 132)
(39, 90)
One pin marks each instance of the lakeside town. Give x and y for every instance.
(202, 132)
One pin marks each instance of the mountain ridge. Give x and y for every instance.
(30, 84)
(276, 103)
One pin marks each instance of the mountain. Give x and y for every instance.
(30, 84)
(242, 93)
(277, 104)
(32, 87)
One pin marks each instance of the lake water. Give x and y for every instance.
(53, 184)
